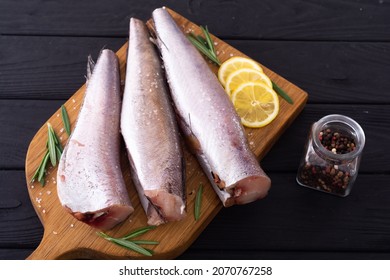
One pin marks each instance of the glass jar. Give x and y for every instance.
(331, 158)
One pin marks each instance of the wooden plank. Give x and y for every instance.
(297, 219)
(331, 72)
(65, 237)
(337, 72)
(374, 119)
(53, 69)
(14, 254)
(20, 119)
(355, 225)
(191, 254)
(267, 19)
(20, 226)
(227, 254)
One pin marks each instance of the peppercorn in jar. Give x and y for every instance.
(332, 155)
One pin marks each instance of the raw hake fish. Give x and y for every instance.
(150, 131)
(208, 119)
(90, 183)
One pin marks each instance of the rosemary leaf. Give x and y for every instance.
(51, 131)
(42, 169)
(51, 146)
(132, 246)
(282, 93)
(198, 202)
(42, 182)
(36, 173)
(102, 234)
(150, 251)
(65, 119)
(59, 148)
(199, 44)
(145, 242)
(138, 232)
(58, 152)
(35, 176)
(209, 41)
(201, 39)
(55, 137)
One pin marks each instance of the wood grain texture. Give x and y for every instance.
(267, 19)
(227, 254)
(374, 119)
(316, 222)
(337, 72)
(14, 253)
(355, 226)
(333, 72)
(67, 238)
(20, 226)
(20, 119)
(54, 70)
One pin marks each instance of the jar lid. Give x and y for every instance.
(342, 123)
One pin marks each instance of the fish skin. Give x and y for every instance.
(90, 184)
(149, 128)
(207, 118)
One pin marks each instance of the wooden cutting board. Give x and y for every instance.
(66, 238)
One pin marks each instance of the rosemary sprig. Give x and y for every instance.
(65, 119)
(198, 202)
(126, 244)
(205, 45)
(53, 153)
(133, 245)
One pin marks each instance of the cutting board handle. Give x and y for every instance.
(49, 248)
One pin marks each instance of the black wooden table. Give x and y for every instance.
(337, 51)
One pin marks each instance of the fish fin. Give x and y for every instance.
(153, 40)
(90, 66)
(152, 30)
(183, 178)
(154, 213)
(159, 40)
(155, 37)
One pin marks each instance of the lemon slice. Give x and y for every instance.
(243, 75)
(255, 103)
(235, 63)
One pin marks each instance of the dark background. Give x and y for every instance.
(337, 51)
